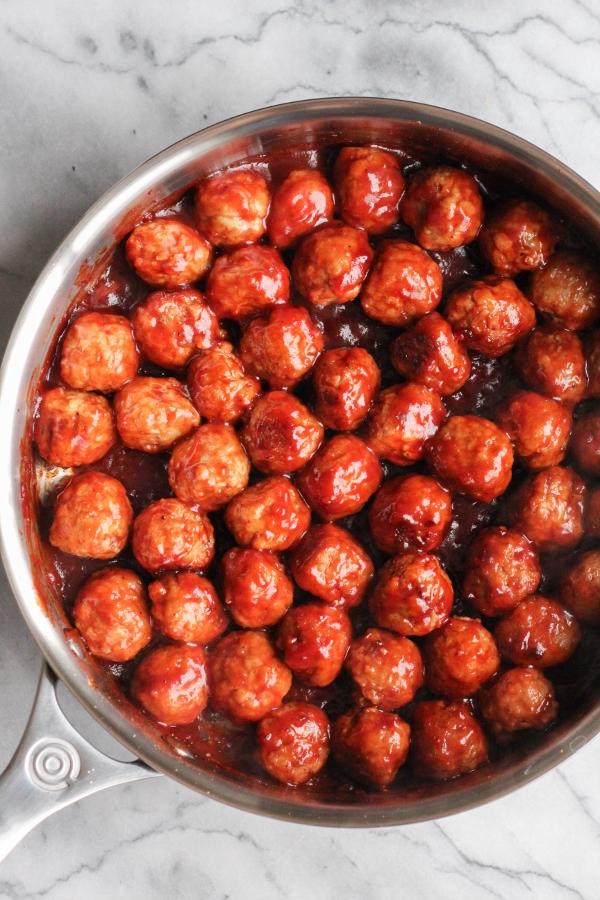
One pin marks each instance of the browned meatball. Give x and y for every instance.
(98, 353)
(300, 203)
(345, 380)
(552, 362)
(520, 699)
(502, 568)
(517, 237)
(281, 434)
(185, 607)
(169, 326)
(585, 444)
(169, 534)
(538, 426)
(168, 253)
(410, 513)
(592, 361)
(231, 207)
(270, 515)
(282, 347)
(247, 281)
(170, 682)
(460, 657)
(256, 588)
(92, 517)
(580, 589)
(293, 742)
(314, 640)
(548, 508)
(73, 428)
(247, 680)
(386, 668)
(413, 595)
(110, 612)
(331, 264)
(447, 740)
(592, 512)
(567, 290)
(430, 354)
(371, 745)
(341, 478)
(369, 185)
(490, 315)
(405, 283)
(538, 632)
(443, 207)
(331, 565)
(219, 387)
(404, 418)
(209, 468)
(153, 413)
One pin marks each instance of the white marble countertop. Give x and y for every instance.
(88, 92)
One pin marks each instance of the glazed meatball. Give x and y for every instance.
(168, 253)
(460, 657)
(73, 428)
(517, 237)
(270, 515)
(281, 434)
(585, 444)
(92, 517)
(443, 207)
(332, 566)
(153, 413)
(300, 203)
(490, 315)
(580, 589)
(567, 290)
(255, 587)
(169, 326)
(410, 513)
(314, 640)
(247, 281)
(548, 508)
(209, 468)
(282, 347)
(447, 740)
(98, 353)
(231, 208)
(369, 185)
(386, 668)
(170, 683)
(520, 699)
(502, 568)
(110, 612)
(592, 513)
(538, 426)
(405, 283)
(404, 418)
(413, 595)
(552, 362)
(331, 264)
(345, 381)
(538, 632)
(247, 680)
(430, 354)
(185, 607)
(219, 386)
(293, 742)
(592, 360)
(371, 745)
(169, 534)
(341, 478)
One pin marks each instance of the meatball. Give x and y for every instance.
(502, 568)
(185, 607)
(300, 203)
(552, 362)
(170, 683)
(110, 612)
(538, 426)
(314, 640)
(413, 595)
(404, 418)
(592, 513)
(169, 534)
(580, 589)
(73, 428)
(430, 354)
(585, 445)
(247, 281)
(255, 587)
(169, 326)
(281, 434)
(331, 264)
(567, 290)
(490, 315)
(247, 680)
(270, 515)
(153, 413)
(410, 513)
(548, 508)
(371, 745)
(345, 381)
(369, 186)
(219, 386)
(168, 253)
(520, 699)
(473, 456)
(405, 283)
(332, 566)
(460, 657)
(231, 207)
(92, 517)
(281, 347)
(592, 359)
(98, 353)
(447, 740)
(386, 668)
(341, 478)
(293, 742)
(538, 632)
(517, 237)
(209, 468)
(443, 207)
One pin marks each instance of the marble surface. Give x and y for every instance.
(88, 92)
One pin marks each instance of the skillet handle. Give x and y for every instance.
(52, 767)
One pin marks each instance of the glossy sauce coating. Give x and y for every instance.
(371, 744)
(369, 185)
(386, 668)
(552, 362)
(331, 565)
(170, 682)
(256, 589)
(567, 291)
(98, 353)
(170, 534)
(410, 513)
(443, 206)
(168, 253)
(220, 388)
(92, 517)
(282, 347)
(169, 326)
(111, 613)
(281, 434)
(74, 428)
(430, 354)
(153, 413)
(231, 207)
(502, 568)
(538, 426)
(302, 201)
(270, 515)
(580, 588)
(314, 640)
(548, 509)
(331, 264)
(519, 699)
(447, 740)
(460, 657)
(247, 281)
(403, 419)
(518, 236)
(405, 283)
(293, 742)
(345, 380)
(538, 632)
(413, 595)
(185, 607)
(490, 315)
(209, 468)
